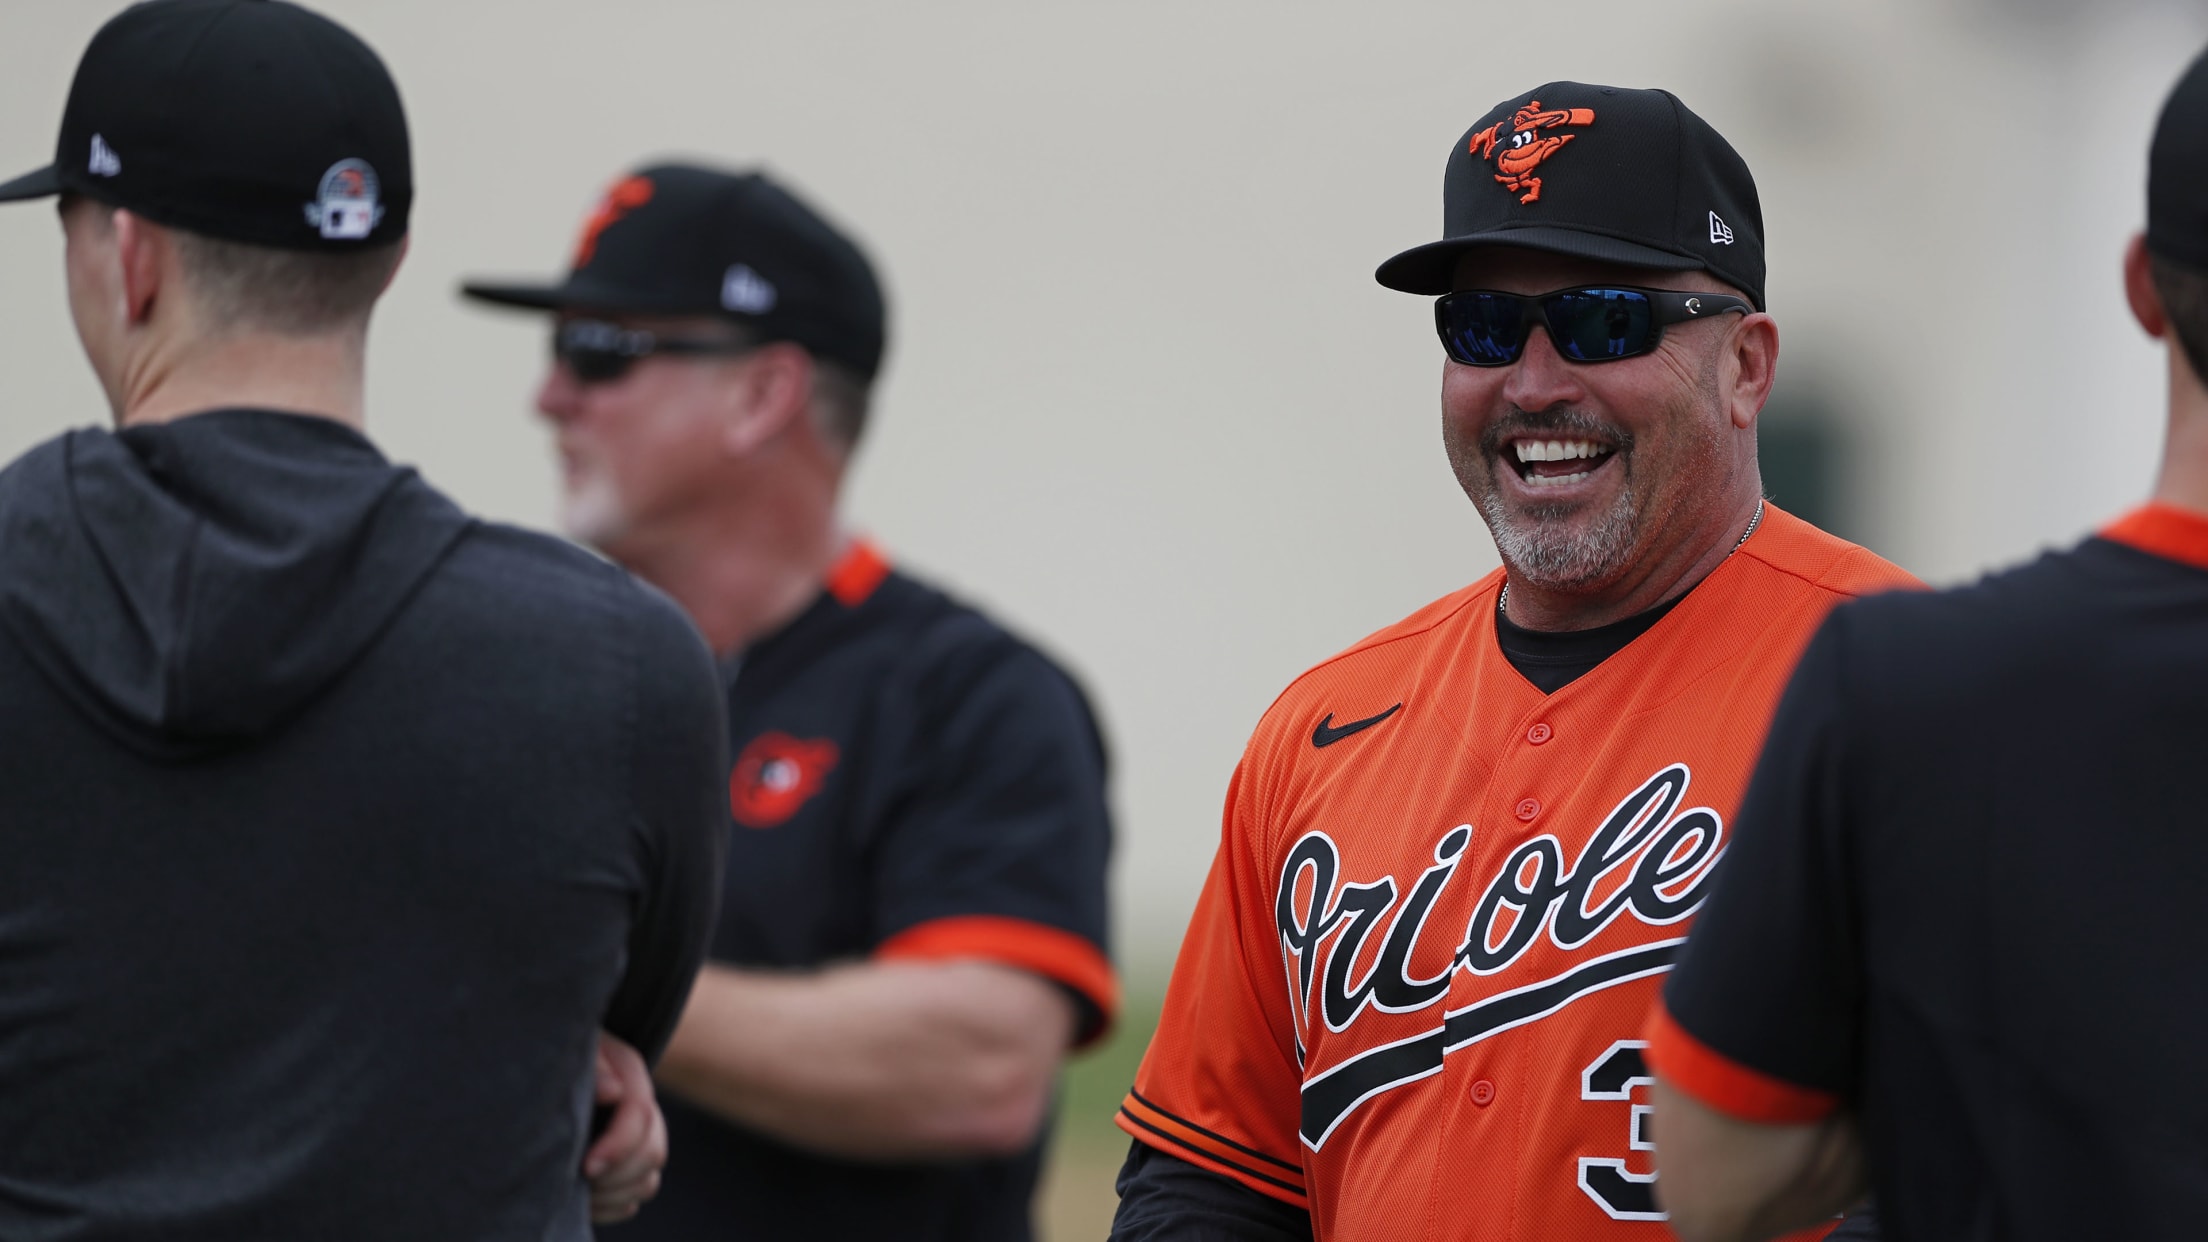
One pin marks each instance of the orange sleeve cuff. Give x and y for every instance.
(1267, 1175)
(1726, 1085)
(1057, 955)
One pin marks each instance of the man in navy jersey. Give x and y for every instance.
(912, 926)
(1955, 951)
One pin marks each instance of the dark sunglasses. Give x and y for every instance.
(1595, 323)
(599, 352)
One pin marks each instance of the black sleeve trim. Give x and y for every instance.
(1163, 1198)
(1290, 1187)
(1214, 1135)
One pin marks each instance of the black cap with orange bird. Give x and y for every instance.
(1599, 172)
(684, 239)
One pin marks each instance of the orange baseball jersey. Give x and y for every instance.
(1412, 994)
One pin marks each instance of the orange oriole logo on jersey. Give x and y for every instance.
(1649, 858)
(1527, 147)
(775, 776)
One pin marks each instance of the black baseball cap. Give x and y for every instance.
(2177, 173)
(680, 239)
(1599, 172)
(254, 121)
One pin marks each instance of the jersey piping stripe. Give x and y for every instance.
(1165, 1138)
(1210, 1156)
(2162, 530)
(1333, 1095)
(1726, 1085)
(856, 574)
(1137, 1097)
(1048, 951)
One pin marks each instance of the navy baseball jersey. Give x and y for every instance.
(909, 781)
(1963, 901)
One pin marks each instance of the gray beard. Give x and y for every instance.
(1545, 555)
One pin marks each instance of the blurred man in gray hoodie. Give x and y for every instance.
(337, 823)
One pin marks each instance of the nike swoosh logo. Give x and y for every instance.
(1327, 733)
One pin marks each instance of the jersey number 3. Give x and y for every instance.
(1622, 1194)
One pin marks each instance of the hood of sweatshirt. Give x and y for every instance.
(191, 584)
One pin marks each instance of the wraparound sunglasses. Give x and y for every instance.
(599, 352)
(1593, 323)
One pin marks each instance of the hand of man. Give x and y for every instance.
(623, 1165)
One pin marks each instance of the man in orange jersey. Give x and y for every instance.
(1458, 858)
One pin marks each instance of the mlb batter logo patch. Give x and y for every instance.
(347, 206)
(775, 775)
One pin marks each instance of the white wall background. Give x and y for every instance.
(1143, 398)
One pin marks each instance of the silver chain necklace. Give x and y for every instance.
(1502, 600)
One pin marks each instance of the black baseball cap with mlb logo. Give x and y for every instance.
(254, 121)
(682, 239)
(1597, 172)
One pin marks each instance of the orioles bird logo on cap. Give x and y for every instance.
(625, 196)
(1526, 148)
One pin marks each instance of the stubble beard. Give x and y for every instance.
(1541, 549)
(1542, 544)
(593, 513)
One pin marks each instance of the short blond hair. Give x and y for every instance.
(286, 292)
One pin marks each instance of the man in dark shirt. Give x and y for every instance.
(912, 928)
(336, 823)
(1957, 944)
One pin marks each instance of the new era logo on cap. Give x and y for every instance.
(747, 292)
(1721, 233)
(104, 161)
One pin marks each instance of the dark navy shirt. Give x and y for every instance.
(1964, 900)
(909, 780)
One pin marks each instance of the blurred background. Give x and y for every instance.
(1143, 398)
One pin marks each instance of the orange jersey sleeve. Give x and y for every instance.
(1219, 1085)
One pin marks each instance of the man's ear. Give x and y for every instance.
(143, 250)
(1755, 346)
(773, 391)
(2139, 290)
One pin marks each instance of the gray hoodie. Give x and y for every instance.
(335, 825)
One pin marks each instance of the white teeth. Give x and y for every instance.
(1555, 450)
(1553, 480)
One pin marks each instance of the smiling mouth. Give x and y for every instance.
(1553, 463)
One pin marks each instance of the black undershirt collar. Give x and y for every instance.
(1554, 659)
